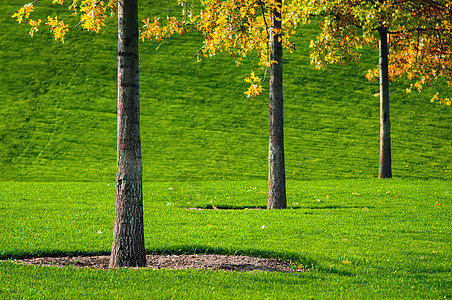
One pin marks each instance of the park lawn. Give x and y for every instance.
(359, 238)
(205, 145)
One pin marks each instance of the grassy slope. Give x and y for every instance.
(59, 114)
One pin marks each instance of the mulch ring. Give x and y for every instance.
(172, 262)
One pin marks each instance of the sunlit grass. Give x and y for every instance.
(370, 237)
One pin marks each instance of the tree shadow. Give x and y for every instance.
(262, 207)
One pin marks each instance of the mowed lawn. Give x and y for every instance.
(205, 144)
(359, 238)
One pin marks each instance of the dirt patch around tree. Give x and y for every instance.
(172, 262)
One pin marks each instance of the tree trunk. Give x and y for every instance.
(128, 237)
(385, 124)
(276, 169)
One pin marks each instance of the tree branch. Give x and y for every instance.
(418, 29)
(268, 33)
(263, 14)
(200, 49)
(32, 3)
(80, 22)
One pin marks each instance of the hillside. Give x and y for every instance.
(59, 113)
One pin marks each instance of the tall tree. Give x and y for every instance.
(419, 33)
(385, 169)
(241, 27)
(276, 168)
(128, 241)
(264, 27)
(128, 237)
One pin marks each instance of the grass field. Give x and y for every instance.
(205, 144)
(360, 238)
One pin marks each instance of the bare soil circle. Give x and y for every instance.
(172, 262)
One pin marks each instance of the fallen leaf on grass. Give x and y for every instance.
(346, 261)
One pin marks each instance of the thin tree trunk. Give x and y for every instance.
(128, 237)
(276, 169)
(385, 124)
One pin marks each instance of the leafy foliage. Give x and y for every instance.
(420, 42)
(237, 27)
(92, 13)
(255, 88)
(242, 27)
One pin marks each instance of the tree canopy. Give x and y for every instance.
(91, 15)
(420, 37)
(238, 27)
(420, 43)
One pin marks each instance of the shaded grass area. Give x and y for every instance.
(59, 113)
(373, 238)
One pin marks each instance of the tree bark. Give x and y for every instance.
(276, 168)
(385, 124)
(128, 237)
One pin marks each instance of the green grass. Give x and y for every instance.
(396, 234)
(120, 284)
(204, 144)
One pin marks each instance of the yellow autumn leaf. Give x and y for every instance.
(58, 28)
(346, 261)
(34, 26)
(23, 13)
(254, 90)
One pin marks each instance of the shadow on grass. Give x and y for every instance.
(50, 253)
(335, 207)
(229, 207)
(261, 207)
